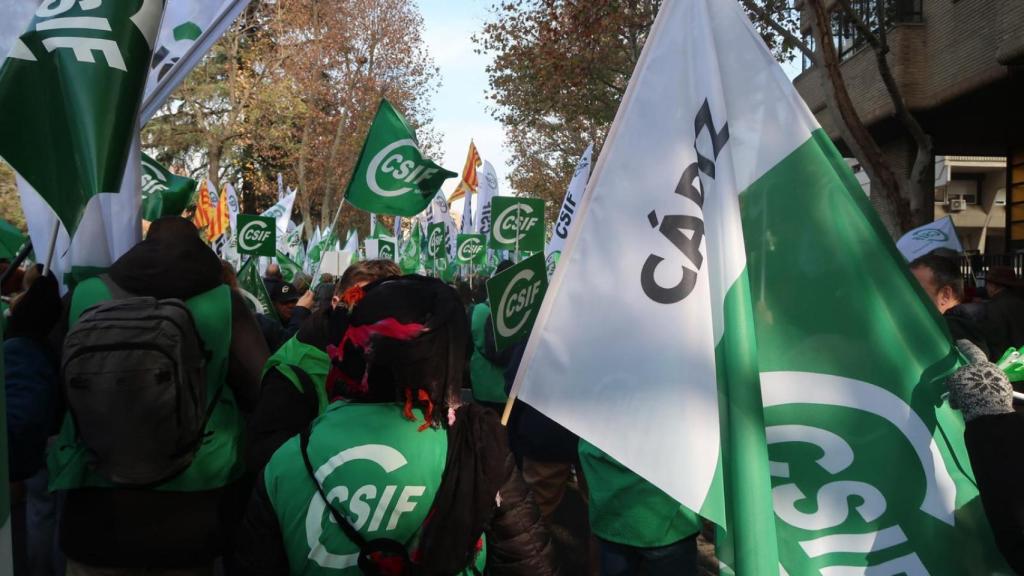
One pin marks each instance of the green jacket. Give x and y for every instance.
(488, 380)
(218, 461)
(374, 466)
(310, 359)
(626, 509)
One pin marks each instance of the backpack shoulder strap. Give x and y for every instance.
(116, 292)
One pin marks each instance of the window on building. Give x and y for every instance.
(966, 186)
(848, 38)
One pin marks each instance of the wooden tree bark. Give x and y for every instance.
(896, 212)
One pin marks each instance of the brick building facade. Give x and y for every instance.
(960, 65)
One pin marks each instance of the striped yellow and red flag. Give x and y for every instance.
(221, 216)
(469, 181)
(204, 208)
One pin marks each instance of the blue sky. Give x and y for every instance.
(460, 106)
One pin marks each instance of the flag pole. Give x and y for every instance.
(52, 247)
(508, 408)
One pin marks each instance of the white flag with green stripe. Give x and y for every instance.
(724, 251)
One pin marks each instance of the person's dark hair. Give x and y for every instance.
(502, 266)
(407, 341)
(945, 270)
(366, 271)
(274, 272)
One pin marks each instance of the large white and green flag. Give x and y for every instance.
(188, 31)
(282, 213)
(488, 189)
(759, 339)
(567, 213)
(70, 89)
(438, 213)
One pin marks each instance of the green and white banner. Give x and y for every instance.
(251, 286)
(472, 249)
(289, 268)
(514, 297)
(518, 224)
(488, 190)
(386, 248)
(392, 176)
(163, 192)
(257, 235)
(573, 197)
(410, 260)
(188, 31)
(734, 257)
(437, 242)
(282, 212)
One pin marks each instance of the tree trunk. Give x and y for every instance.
(894, 209)
(213, 155)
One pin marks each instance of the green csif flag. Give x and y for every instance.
(252, 288)
(163, 192)
(410, 259)
(392, 176)
(69, 97)
(289, 268)
(472, 249)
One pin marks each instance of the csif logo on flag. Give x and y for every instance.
(514, 297)
(256, 235)
(674, 226)
(518, 223)
(385, 249)
(436, 245)
(398, 168)
(470, 249)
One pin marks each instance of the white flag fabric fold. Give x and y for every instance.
(488, 189)
(932, 236)
(187, 32)
(282, 213)
(567, 213)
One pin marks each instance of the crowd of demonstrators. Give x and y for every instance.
(399, 371)
(379, 392)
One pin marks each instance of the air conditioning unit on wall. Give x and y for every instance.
(957, 204)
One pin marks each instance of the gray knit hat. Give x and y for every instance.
(980, 388)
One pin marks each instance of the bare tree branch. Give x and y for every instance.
(781, 30)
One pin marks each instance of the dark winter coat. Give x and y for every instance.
(133, 528)
(995, 444)
(1004, 322)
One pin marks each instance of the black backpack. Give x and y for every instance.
(135, 382)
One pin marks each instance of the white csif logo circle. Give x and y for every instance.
(398, 167)
(502, 320)
(253, 234)
(434, 242)
(502, 222)
(470, 248)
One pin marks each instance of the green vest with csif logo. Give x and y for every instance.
(376, 468)
(218, 461)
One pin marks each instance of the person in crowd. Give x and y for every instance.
(229, 275)
(272, 277)
(301, 282)
(547, 452)
(292, 310)
(13, 283)
(994, 437)
(1004, 313)
(294, 378)
(32, 395)
(939, 275)
(487, 364)
(443, 495)
(181, 524)
(640, 529)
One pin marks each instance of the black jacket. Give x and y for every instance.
(964, 326)
(518, 543)
(283, 411)
(275, 333)
(996, 447)
(136, 528)
(1004, 322)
